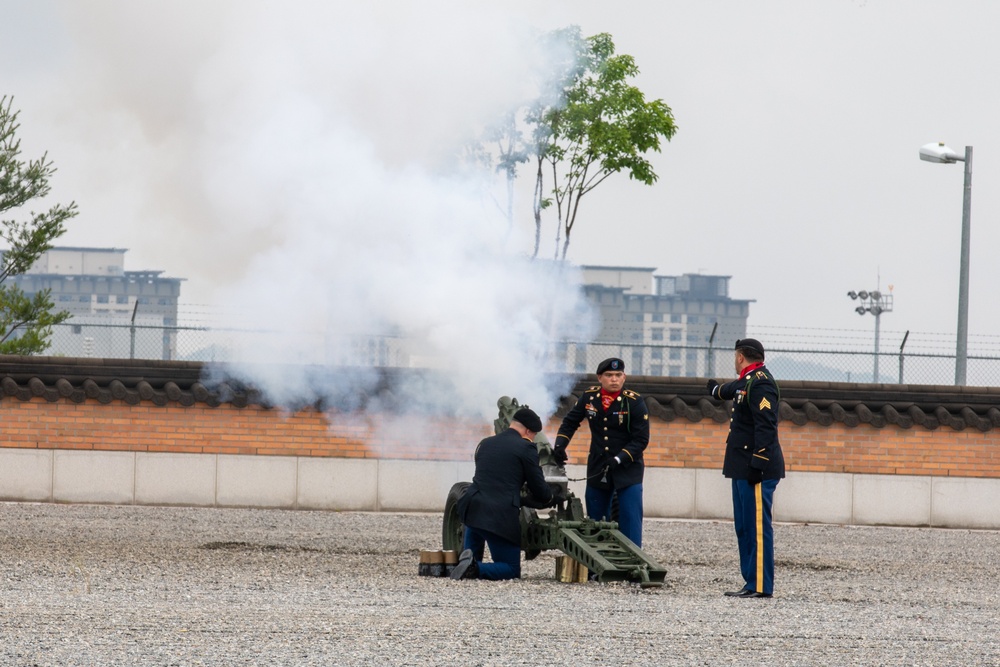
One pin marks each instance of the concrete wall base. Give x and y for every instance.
(217, 480)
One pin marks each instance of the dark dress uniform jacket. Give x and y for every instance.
(622, 430)
(753, 428)
(492, 502)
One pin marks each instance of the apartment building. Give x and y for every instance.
(103, 298)
(661, 325)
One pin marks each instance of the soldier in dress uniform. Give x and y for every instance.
(754, 463)
(619, 433)
(490, 507)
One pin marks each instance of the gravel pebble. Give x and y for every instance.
(109, 585)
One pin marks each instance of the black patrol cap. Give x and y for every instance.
(529, 419)
(751, 343)
(612, 364)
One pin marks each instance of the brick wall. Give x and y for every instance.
(837, 448)
(92, 425)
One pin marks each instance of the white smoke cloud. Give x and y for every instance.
(300, 157)
(370, 250)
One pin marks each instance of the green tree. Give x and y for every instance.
(587, 123)
(504, 149)
(26, 320)
(603, 126)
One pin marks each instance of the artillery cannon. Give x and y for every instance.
(598, 545)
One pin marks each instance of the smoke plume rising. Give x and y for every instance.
(298, 166)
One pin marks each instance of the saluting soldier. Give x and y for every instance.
(754, 463)
(619, 433)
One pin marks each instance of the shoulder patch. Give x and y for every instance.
(629, 393)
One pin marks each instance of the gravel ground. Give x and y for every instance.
(97, 585)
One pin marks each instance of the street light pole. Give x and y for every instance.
(941, 154)
(962, 346)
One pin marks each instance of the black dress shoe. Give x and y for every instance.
(746, 593)
(466, 568)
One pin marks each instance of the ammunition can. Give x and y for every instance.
(450, 561)
(436, 563)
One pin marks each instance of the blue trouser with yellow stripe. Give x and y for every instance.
(752, 519)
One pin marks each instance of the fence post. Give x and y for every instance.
(131, 352)
(711, 351)
(901, 346)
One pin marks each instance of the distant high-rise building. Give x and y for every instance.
(664, 324)
(94, 287)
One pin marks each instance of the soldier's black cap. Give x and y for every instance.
(529, 419)
(751, 343)
(611, 365)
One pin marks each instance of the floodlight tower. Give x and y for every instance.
(876, 303)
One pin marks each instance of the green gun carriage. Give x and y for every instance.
(598, 545)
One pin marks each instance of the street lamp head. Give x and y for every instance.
(852, 294)
(876, 295)
(939, 153)
(862, 295)
(860, 310)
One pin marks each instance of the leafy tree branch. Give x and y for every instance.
(26, 320)
(587, 123)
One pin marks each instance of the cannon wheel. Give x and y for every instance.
(528, 517)
(452, 528)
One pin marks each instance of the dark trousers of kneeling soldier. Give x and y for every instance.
(506, 555)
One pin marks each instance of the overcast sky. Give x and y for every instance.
(196, 135)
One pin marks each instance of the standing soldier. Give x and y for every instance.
(619, 432)
(754, 463)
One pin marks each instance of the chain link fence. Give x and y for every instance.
(796, 354)
(822, 365)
